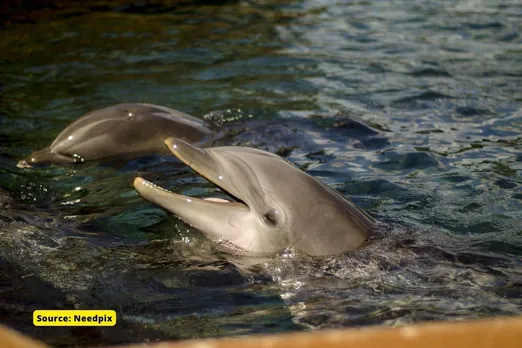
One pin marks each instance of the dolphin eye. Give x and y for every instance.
(270, 218)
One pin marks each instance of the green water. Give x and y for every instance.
(439, 83)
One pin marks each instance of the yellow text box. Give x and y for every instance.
(74, 317)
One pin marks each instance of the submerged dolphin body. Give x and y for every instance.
(279, 205)
(124, 130)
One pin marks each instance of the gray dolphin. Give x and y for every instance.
(279, 206)
(124, 130)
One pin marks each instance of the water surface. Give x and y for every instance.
(434, 89)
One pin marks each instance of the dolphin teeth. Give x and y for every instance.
(149, 184)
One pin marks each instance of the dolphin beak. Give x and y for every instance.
(199, 160)
(23, 164)
(206, 164)
(201, 213)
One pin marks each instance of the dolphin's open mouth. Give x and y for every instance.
(147, 188)
(261, 182)
(196, 211)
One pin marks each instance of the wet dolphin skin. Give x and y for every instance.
(119, 131)
(279, 206)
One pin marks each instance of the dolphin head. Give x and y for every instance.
(279, 206)
(127, 130)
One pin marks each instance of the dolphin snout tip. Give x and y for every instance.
(138, 181)
(23, 164)
(171, 143)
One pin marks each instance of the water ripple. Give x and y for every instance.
(412, 109)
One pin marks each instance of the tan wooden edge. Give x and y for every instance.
(497, 332)
(13, 339)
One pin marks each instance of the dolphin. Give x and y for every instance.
(278, 205)
(126, 130)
